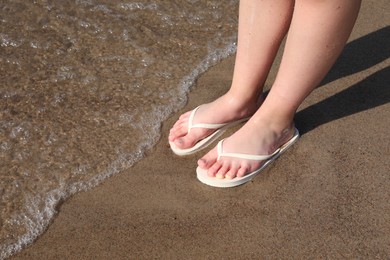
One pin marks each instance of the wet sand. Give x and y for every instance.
(327, 197)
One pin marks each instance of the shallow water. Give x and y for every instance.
(85, 85)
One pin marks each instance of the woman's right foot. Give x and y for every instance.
(225, 109)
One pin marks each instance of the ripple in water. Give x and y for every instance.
(85, 85)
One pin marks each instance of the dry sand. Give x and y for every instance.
(327, 197)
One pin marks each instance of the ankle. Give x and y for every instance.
(281, 125)
(241, 102)
(274, 133)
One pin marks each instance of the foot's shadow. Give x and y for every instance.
(371, 92)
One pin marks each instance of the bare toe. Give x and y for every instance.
(242, 171)
(176, 132)
(180, 128)
(214, 169)
(222, 171)
(208, 160)
(232, 172)
(186, 141)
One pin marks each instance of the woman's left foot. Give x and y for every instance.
(256, 137)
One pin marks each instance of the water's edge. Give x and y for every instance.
(40, 219)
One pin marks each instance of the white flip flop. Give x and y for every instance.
(225, 183)
(220, 129)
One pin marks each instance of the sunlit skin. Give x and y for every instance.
(317, 32)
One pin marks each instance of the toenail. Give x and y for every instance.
(202, 161)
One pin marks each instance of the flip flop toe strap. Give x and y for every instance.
(208, 126)
(244, 156)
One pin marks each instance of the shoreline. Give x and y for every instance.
(327, 196)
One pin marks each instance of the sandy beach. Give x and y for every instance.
(327, 197)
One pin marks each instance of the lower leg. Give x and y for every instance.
(318, 33)
(262, 27)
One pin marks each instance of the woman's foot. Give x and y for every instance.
(225, 109)
(256, 137)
